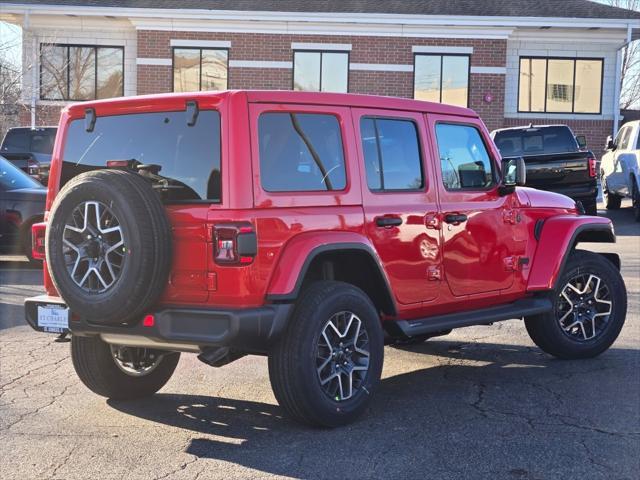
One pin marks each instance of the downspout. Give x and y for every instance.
(618, 86)
(26, 26)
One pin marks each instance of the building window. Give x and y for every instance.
(79, 72)
(442, 79)
(196, 69)
(321, 71)
(560, 85)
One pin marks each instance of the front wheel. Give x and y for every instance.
(328, 363)
(611, 200)
(590, 305)
(121, 373)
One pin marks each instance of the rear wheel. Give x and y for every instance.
(635, 198)
(121, 373)
(328, 363)
(590, 305)
(611, 200)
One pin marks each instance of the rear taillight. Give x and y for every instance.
(234, 243)
(593, 169)
(38, 231)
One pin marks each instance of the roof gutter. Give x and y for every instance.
(322, 17)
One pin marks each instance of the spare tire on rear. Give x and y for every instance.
(108, 246)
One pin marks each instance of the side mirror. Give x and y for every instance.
(610, 143)
(582, 141)
(514, 174)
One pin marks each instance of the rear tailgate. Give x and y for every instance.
(548, 172)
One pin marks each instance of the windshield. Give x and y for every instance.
(188, 157)
(12, 178)
(535, 141)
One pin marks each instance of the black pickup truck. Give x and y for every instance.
(556, 160)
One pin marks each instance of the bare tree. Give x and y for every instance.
(630, 75)
(10, 77)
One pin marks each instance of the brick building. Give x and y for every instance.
(514, 62)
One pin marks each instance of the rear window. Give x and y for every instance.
(188, 156)
(16, 141)
(42, 142)
(535, 141)
(300, 152)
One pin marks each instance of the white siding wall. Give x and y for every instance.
(75, 31)
(550, 43)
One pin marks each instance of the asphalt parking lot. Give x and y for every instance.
(482, 402)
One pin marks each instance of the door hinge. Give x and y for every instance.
(511, 216)
(434, 273)
(432, 220)
(515, 263)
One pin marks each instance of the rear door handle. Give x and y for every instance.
(388, 222)
(455, 218)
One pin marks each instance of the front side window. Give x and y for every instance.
(321, 71)
(188, 157)
(76, 72)
(196, 69)
(560, 85)
(391, 154)
(300, 152)
(442, 79)
(464, 159)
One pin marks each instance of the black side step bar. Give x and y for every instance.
(438, 323)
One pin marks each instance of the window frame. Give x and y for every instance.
(546, 84)
(442, 55)
(68, 47)
(383, 191)
(200, 49)
(494, 166)
(321, 52)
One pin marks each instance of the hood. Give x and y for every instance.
(544, 199)
(28, 194)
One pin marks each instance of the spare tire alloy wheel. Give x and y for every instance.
(342, 356)
(584, 307)
(94, 246)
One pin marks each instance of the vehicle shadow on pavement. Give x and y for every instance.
(497, 399)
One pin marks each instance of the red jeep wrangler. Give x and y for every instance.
(308, 227)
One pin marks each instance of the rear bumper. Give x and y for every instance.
(251, 330)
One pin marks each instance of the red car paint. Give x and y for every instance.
(432, 267)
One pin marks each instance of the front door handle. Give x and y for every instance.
(455, 218)
(388, 222)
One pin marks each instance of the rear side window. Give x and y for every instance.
(391, 154)
(188, 156)
(464, 159)
(535, 141)
(16, 141)
(300, 152)
(638, 142)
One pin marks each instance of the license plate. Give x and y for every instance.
(53, 318)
